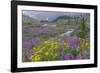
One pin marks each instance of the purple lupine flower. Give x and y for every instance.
(36, 40)
(66, 56)
(46, 30)
(26, 44)
(31, 42)
(78, 56)
(35, 30)
(26, 53)
(73, 42)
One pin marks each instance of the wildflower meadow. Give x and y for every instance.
(55, 36)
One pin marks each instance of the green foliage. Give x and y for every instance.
(85, 45)
(83, 29)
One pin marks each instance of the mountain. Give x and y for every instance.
(65, 17)
(26, 20)
(50, 15)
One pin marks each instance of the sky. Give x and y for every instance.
(44, 15)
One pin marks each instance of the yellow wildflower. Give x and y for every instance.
(32, 58)
(37, 57)
(46, 42)
(46, 53)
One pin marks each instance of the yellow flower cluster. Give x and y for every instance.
(46, 49)
(35, 57)
(49, 50)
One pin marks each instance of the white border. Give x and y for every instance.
(53, 63)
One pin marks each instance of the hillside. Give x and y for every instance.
(26, 20)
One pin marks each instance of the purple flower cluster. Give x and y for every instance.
(45, 30)
(73, 42)
(64, 56)
(26, 54)
(78, 56)
(31, 42)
